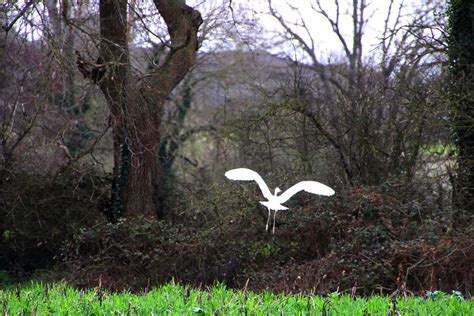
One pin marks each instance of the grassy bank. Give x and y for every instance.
(60, 299)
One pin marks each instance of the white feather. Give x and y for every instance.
(244, 174)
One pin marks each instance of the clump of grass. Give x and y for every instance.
(60, 299)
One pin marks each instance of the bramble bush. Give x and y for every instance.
(364, 240)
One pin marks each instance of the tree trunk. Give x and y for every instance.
(461, 53)
(136, 106)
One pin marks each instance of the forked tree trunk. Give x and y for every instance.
(136, 105)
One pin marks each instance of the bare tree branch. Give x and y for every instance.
(8, 27)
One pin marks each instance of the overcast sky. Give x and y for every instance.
(325, 39)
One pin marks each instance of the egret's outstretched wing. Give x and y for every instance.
(244, 174)
(308, 186)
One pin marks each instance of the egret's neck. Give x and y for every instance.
(277, 190)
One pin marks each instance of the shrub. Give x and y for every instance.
(39, 212)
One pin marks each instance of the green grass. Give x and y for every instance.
(172, 299)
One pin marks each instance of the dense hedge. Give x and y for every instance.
(365, 240)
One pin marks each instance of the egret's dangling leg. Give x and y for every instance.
(274, 217)
(268, 220)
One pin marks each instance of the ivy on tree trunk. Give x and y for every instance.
(461, 54)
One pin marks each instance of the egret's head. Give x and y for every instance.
(277, 190)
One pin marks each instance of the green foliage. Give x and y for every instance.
(440, 150)
(461, 97)
(461, 39)
(4, 278)
(264, 249)
(217, 300)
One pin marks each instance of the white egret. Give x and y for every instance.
(275, 201)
